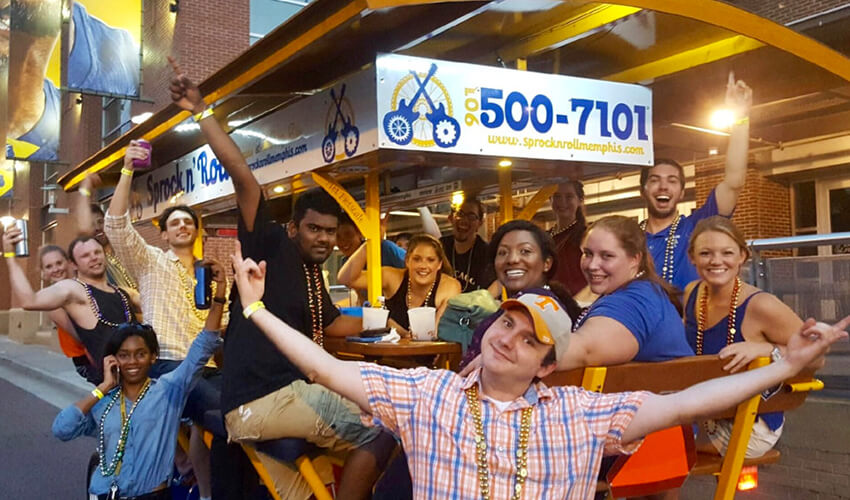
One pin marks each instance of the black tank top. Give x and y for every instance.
(114, 307)
(397, 304)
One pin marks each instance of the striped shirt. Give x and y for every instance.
(571, 429)
(165, 304)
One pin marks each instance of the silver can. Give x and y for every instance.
(22, 248)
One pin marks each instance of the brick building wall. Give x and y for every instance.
(204, 35)
(764, 206)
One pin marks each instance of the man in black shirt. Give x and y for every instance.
(264, 396)
(466, 251)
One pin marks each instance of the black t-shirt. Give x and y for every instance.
(473, 269)
(253, 367)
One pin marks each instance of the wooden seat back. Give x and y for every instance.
(676, 375)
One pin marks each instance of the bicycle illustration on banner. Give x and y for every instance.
(422, 112)
(349, 133)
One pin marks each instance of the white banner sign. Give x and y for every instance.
(331, 126)
(431, 105)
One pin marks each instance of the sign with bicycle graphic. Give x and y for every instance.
(432, 105)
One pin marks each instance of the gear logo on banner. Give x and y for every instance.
(340, 124)
(422, 112)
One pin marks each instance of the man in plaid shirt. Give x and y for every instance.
(500, 432)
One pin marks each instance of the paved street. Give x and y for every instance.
(35, 464)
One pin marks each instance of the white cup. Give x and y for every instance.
(423, 323)
(374, 318)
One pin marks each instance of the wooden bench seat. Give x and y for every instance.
(679, 374)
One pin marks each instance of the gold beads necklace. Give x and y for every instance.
(703, 312)
(427, 295)
(122, 270)
(314, 301)
(555, 231)
(189, 290)
(481, 447)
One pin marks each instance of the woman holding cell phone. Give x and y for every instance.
(133, 417)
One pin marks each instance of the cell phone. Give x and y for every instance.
(116, 371)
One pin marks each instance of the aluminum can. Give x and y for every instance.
(22, 248)
(203, 285)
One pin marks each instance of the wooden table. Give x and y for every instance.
(437, 354)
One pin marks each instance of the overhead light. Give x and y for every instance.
(457, 199)
(505, 163)
(722, 119)
(187, 127)
(279, 189)
(141, 118)
(712, 151)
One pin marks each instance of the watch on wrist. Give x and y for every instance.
(220, 300)
(775, 354)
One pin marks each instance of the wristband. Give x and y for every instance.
(252, 308)
(85, 192)
(97, 393)
(126, 171)
(220, 300)
(9, 255)
(203, 114)
(742, 120)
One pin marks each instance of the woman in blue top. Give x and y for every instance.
(636, 316)
(725, 316)
(135, 419)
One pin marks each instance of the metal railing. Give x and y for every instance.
(817, 286)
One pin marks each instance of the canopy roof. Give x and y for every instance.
(682, 49)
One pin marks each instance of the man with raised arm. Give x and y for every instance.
(166, 285)
(90, 219)
(499, 432)
(56, 267)
(663, 187)
(264, 396)
(93, 306)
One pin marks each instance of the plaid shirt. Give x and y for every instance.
(163, 295)
(571, 429)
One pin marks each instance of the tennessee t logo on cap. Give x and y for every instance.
(552, 325)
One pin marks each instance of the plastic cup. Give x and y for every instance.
(374, 318)
(146, 163)
(423, 323)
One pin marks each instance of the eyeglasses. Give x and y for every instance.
(470, 216)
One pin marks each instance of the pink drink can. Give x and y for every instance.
(147, 161)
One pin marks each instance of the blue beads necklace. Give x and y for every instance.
(114, 467)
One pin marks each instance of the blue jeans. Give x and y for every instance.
(205, 395)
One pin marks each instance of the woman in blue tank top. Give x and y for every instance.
(725, 316)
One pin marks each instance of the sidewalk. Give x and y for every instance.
(48, 375)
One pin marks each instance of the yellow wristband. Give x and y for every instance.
(252, 308)
(97, 393)
(742, 120)
(203, 114)
(85, 192)
(8, 255)
(126, 171)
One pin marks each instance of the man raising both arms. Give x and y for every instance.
(663, 187)
(264, 396)
(538, 441)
